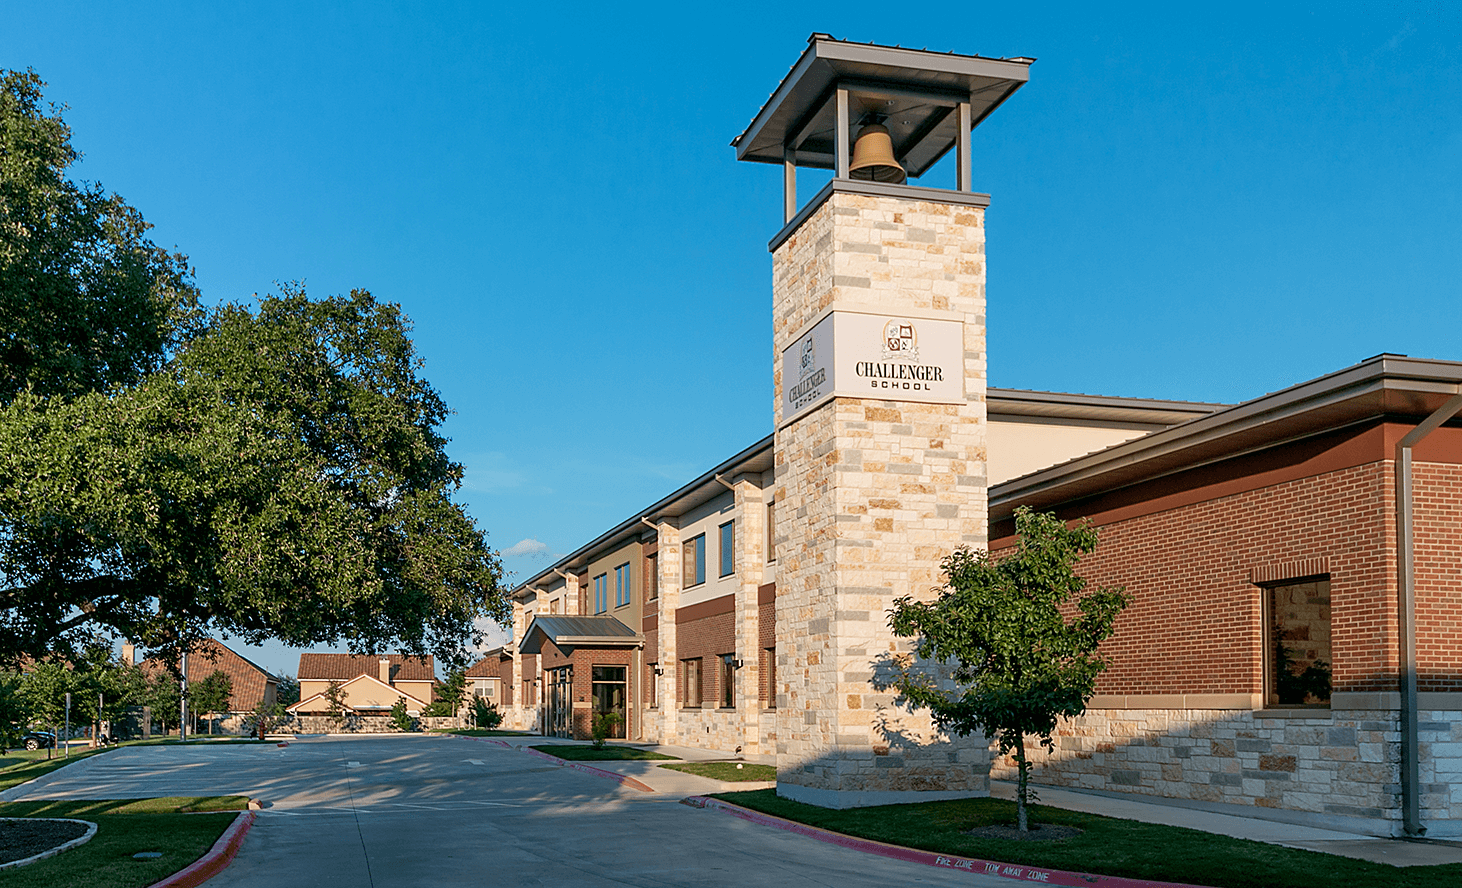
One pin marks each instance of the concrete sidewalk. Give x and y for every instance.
(1396, 852)
(662, 780)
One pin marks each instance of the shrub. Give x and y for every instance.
(399, 716)
(603, 726)
(485, 715)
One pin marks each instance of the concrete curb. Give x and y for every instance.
(216, 860)
(52, 852)
(929, 858)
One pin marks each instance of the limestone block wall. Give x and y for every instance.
(871, 495)
(1340, 766)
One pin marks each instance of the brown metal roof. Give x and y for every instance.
(343, 667)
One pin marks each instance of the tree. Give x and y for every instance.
(449, 695)
(485, 715)
(264, 718)
(164, 697)
(335, 704)
(14, 712)
(1022, 633)
(211, 695)
(271, 471)
(287, 690)
(400, 718)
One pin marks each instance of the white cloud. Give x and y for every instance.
(528, 547)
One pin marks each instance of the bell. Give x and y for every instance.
(873, 157)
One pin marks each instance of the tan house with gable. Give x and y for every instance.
(372, 683)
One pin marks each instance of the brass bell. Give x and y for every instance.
(873, 157)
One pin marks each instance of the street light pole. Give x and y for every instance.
(66, 738)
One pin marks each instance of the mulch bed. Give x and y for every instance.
(22, 838)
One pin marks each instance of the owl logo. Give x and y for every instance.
(809, 357)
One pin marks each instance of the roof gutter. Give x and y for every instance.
(1406, 595)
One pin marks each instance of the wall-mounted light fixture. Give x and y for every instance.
(659, 670)
(736, 664)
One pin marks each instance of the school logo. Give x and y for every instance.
(900, 341)
(809, 357)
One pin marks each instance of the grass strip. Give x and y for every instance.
(727, 772)
(606, 753)
(1106, 846)
(125, 827)
(479, 732)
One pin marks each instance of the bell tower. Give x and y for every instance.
(878, 365)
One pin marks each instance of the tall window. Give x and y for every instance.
(691, 686)
(652, 682)
(601, 593)
(652, 577)
(728, 681)
(694, 553)
(772, 530)
(621, 585)
(769, 675)
(728, 548)
(1298, 644)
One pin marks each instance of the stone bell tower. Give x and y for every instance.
(878, 298)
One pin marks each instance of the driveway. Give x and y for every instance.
(432, 810)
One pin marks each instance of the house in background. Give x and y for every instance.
(251, 685)
(372, 683)
(485, 678)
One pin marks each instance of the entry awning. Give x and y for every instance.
(566, 631)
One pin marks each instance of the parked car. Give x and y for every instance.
(38, 740)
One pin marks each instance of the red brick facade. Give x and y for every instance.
(705, 631)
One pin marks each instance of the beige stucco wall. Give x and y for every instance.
(1021, 445)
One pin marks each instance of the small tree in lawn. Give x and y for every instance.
(400, 718)
(212, 694)
(1021, 632)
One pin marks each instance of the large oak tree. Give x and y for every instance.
(271, 470)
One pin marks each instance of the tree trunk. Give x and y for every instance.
(1022, 766)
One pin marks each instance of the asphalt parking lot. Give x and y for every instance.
(431, 810)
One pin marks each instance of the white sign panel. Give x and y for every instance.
(884, 357)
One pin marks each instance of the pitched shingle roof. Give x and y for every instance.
(343, 667)
(249, 682)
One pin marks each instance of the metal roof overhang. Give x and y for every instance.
(1386, 385)
(914, 90)
(756, 458)
(578, 631)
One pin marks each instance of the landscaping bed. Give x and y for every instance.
(606, 753)
(1105, 845)
(20, 839)
(179, 830)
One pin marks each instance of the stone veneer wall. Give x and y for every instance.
(870, 496)
(1340, 767)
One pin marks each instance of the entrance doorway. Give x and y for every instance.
(610, 694)
(558, 721)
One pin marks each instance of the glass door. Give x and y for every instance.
(610, 694)
(560, 697)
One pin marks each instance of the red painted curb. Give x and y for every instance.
(631, 782)
(216, 860)
(929, 858)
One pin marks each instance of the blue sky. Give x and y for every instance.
(1203, 203)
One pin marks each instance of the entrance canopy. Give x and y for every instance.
(569, 632)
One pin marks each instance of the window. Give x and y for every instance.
(652, 681)
(695, 561)
(1297, 644)
(601, 593)
(772, 530)
(621, 585)
(691, 684)
(652, 577)
(610, 693)
(769, 676)
(553, 606)
(728, 548)
(728, 681)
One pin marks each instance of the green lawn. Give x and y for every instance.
(1107, 846)
(125, 827)
(479, 732)
(607, 753)
(727, 772)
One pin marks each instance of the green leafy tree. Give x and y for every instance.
(211, 695)
(272, 471)
(400, 718)
(449, 695)
(1021, 632)
(335, 702)
(287, 690)
(164, 697)
(44, 688)
(265, 718)
(14, 711)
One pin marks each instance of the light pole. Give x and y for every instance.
(66, 737)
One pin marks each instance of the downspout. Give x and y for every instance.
(1406, 594)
